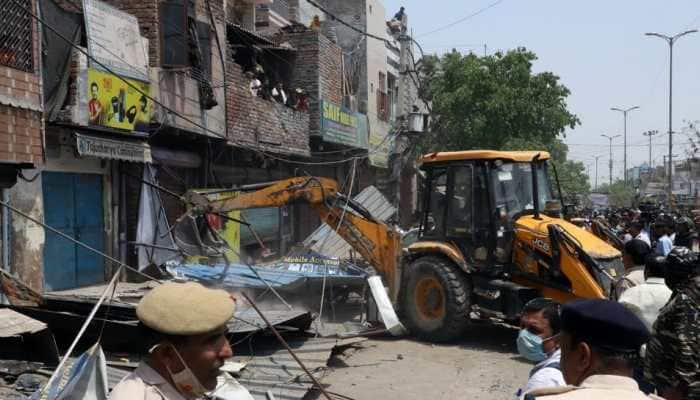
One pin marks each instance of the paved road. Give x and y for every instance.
(484, 365)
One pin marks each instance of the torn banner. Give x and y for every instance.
(153, 228)
(85, 379)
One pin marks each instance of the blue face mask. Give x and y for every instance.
(530, 346)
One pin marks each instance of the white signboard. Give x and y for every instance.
(114, 40)
(113, 149)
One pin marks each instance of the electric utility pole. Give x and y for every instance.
(650, 134)
(595, 185)
(610, 138)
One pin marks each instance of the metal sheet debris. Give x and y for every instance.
(326, 241)
(65, 311)
(271, 369)
(300, 274)
(13, 323)
(386, 310)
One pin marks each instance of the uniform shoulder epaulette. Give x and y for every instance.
(548, 391)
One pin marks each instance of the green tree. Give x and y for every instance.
(619, 194)
(497, 102)
(486, 102)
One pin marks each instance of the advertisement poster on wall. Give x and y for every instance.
(115, 104)
(114, 40)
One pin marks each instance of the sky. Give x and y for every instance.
(599, 51)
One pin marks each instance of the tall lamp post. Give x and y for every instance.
(610, 164)
(595, 185)
(670, 40)
(624, 113)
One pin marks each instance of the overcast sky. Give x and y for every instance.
(599, 51)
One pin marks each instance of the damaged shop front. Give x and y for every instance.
(97, 119)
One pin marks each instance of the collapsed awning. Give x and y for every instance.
(113, 149)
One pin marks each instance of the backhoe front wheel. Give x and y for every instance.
(435, 301)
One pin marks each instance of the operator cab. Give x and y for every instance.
(472, 198)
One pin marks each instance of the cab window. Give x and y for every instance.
(434, 221)
(460, 206)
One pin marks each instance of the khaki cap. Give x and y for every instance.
(185, 309)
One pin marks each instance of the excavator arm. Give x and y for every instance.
(377, 242)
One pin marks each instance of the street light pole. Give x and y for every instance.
(595, 186)
(610, 164)
(624, 113)
(650, 134)
(670, 40)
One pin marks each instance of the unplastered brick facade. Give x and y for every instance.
(263, 124)
(21, 110)
(317, 70)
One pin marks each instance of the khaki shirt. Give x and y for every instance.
(144, 383)
(598, 387)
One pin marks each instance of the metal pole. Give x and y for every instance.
(610, 138)
(624, 145)
(595, 186)
(670, 121)
(286, 346)
(670, 40)
(624, 114)
(610, 164)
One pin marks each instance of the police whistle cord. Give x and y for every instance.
(286, 346)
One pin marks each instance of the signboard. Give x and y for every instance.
(114, 40)
(113, 149)
(115, 104)
(342, 126)
(379, 148)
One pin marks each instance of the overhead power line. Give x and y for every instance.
(463, 19)
(183, 117)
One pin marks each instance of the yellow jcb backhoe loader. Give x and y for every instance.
(491, 238)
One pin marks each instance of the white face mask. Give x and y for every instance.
(185, 381)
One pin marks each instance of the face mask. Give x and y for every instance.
(185, 381)
(530, 346)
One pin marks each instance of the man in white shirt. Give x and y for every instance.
(634, 255)
(645, 300)
(538, 341)
(637, 231)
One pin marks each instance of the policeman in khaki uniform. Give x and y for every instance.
(600, 342)
(186, 325)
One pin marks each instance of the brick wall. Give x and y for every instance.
(20, 135)
(317, 69)
(20, 111)
(254, 122)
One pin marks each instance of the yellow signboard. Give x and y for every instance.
(228, 230)
(115, 104)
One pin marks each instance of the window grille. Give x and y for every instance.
(16, 35)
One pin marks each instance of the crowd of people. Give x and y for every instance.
(643, 342)
(260, 86)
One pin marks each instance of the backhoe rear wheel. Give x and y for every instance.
(435, 301)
